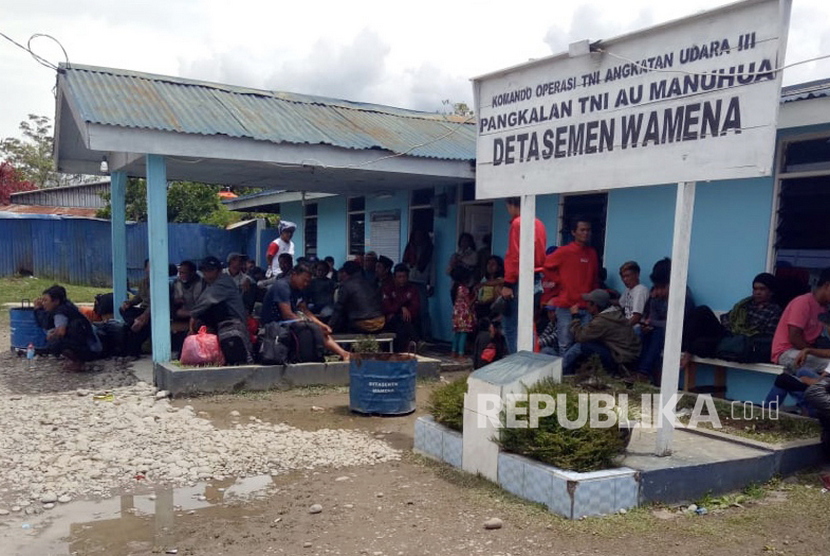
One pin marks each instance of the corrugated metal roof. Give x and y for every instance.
(141, 100)
(86, 195)
(59, 211)
(805, 91)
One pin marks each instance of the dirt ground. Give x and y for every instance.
(416, 506)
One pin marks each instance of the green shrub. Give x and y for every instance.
(366, 344)
(583, 449)
(446, 403)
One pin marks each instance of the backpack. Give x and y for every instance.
(233, 342)
(306, 343)
(745, 349)
(273, 344)
(113, 336)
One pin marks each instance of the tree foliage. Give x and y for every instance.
(11, 182)
(31, 155)
(186, 202)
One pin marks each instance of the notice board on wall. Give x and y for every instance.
(385, 234)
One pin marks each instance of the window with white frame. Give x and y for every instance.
(357, 225)
(802, 227)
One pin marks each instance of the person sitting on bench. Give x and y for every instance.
(797, 342)
(402, 307)
(358, 306)
(755, 317)
(285, 302)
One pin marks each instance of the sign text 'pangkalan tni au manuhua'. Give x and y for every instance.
(690, 100)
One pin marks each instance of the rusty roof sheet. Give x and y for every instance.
(59, 211)
(141, 100)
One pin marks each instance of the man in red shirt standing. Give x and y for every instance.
(510, 291)
(576, 268)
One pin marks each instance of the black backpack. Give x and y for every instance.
(113, 335)
(306, 343)
(232, 342)
(274, 343)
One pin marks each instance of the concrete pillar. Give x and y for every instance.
(157, 241)
(118, 231)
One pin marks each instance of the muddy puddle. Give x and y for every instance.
(128, 524)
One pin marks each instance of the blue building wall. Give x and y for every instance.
(332, 237)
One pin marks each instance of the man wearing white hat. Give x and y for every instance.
(282, 244)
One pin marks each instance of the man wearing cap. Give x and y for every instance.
(246, 285)
(608, 335)
(220, 303)
(282, 244)
(797, 342)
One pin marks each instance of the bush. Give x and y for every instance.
(446, 403)
(583, 449)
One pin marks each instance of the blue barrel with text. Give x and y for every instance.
(25, 328)
(382, 383)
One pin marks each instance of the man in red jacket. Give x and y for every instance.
(510, 290)
(576, 270)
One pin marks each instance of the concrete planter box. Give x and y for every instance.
(193, 381)
(566, 493)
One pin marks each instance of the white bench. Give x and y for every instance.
(720, 365)
(384, 339)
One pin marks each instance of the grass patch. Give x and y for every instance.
(13, 289)
(759, 425)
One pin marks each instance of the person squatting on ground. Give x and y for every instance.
(68, 332)
(608, 335)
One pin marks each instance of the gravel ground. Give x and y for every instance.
(93, 434)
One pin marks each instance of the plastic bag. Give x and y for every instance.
(202, 349)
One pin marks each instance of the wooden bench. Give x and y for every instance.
(720, 365)
(384, 340)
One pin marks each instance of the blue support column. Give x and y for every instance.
(157, 240)
(118, 230)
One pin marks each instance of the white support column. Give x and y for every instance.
(681, 243)
(157, 240)
(526, 255)
(118, 234)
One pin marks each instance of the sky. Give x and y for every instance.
(411, 55)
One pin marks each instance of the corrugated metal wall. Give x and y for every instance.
(79, 251)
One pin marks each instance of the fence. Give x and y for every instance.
(79, 250)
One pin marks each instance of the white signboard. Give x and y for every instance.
(691, 100)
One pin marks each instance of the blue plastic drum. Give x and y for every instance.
(382, 383)
(25, 329)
